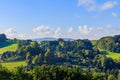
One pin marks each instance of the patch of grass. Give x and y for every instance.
(94, 42)
(7, 46)
(113, 55)
(109, 54)
(12, 65)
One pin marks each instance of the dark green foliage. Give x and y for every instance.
(28, 59)
(2, 40)
(59, 73)
(48, 73)
(64, 60)
(56, 73)
(109, 43)
(2, 37)
(38, 59)
(4, 74)
(49, 56)
(20, 74)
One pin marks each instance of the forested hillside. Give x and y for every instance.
(109, 43)
(84, 58)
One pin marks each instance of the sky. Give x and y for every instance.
(78, 19)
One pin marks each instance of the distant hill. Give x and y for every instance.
(8, 46)
(50, 39)
(109, 43)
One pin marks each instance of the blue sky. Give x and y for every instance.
(90, 19)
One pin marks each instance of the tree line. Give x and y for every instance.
(79, 55)
(54, 73)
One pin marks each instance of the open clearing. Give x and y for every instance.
(113, 55)
(7, 46)
(109, 54)
(12, 65)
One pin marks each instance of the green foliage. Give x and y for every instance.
(12, 65)
(10, 47)
(20, 74)
(5, 74)
(49, 56)
(38, 59)
(111, 44)
(58, 73)
(99, 76)
(53, 73)
(28, 59)
(63, 60)
(2, 38)
(111, 77)
(94, 42)
(118, 75)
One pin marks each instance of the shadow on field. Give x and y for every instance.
(5, 44)
(104, 52)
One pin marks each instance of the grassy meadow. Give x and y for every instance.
(113, 55)
(109, 54)
(8, 46)
(12, 65)
(94, 42)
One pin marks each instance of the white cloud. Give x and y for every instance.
(45, 31)
(25, 36)
(22, 36)
(108, 26)
(92, 5)
(108, 30)
(97, 32)
(108, 5)
(42, 30)
(10, 32)
(84, 32)
(92, 8)
(114, 14)
(70, 30)
(57, 32)
(84, 29)
(85, 2)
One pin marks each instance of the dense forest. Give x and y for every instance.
(110, 43)
(62, 60)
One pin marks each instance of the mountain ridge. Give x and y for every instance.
(50, 39)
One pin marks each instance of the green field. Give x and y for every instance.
(8, 46)
(113, 55)
(94, 42)
(12, 65)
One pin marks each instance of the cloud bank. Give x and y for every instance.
(10, 32)
(81, 32)
(92, 5)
